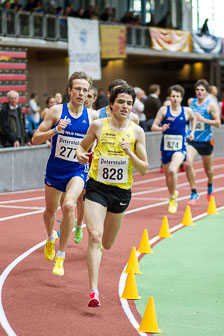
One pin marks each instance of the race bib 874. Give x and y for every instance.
(173, 142)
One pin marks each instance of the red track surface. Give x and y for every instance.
(39, 304)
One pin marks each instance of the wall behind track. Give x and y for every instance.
(23, 168)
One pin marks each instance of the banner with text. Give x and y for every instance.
(113, 42)
(170, 39)
(84, 47)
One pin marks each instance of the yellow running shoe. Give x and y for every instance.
(172, 208)
(58, 266)
(49, 250)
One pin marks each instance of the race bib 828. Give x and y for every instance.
(112, 169)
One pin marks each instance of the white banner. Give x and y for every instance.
(84, 47)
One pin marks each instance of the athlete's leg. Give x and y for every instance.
(191, 153)
(207, 164)
(52, 198)
(73, 190)
(170, 170)
(112, 225)
(95, 214)
(79, 220)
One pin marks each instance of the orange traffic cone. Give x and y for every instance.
(164, 230)
(149, 320)
(133, 262)
(187, 220)
(212, 207)
(144, 246)
(130, 290)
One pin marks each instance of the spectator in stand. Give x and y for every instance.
(79, 13)
(152, 22)
(101, 100)
(165, 22)
(69, 10)
(128, 18)
(34, 108)
(138, 107)
(106, 15)
(58, 98)
(12, 122)
(29, 124)
(91, 13)
(51, 101)
(152, 105)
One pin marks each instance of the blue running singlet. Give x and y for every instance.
(103, 113)
(203, 132)
(174, 138)
(62, 164)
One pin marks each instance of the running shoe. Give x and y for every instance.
(78, 234)
(193, 198)
(210, 193)
(172, 208)
(94, 300)
(58, 266)
(49, 250)
(161, 169)
(59, 232)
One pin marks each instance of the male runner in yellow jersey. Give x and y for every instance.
(120, 147)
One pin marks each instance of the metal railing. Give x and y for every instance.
(54, 28)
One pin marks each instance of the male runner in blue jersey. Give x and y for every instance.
(65, 177)
(207, 115)
(173, 120)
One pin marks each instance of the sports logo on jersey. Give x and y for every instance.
(84, 121)
(69, 121)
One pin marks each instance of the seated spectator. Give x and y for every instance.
(165, 22)
(128, 18)
(79, 13)
(106, 15)
(12, 122)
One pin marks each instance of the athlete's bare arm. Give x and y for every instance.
(138, 159)
(92, 134)
(93, 115)
(44, 131)
(189, 114)
(158, 119)
(213, 109)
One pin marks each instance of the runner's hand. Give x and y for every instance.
(125, 145)
(84, 157)
(61, 125)
(165, 127)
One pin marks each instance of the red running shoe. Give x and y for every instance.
(94, 300)
(182, 169)
(209, 196)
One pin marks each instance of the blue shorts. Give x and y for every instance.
(61, 184)
(167, 155)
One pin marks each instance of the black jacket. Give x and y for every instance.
(8, 126)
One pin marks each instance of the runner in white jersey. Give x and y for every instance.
(65, 177)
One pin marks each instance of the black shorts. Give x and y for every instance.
(203, 148)
(115, 199)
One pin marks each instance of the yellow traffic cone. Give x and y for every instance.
(130, 290)
(187, 220)
(149, 320)
(212, 207)
(164, 230)
(133, 262)
(144, 246)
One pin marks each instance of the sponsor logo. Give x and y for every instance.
(121, 203)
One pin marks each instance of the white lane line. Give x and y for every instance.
(21, 191)
(21, 215)
(19, 207)
(180, 185)
(122, 281)
(163, 176)
(23, 200)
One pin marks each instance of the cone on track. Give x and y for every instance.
(133, 262)
(164, 230)
(187, 220)
(212, 207)
(149, 320)
(144, 246)
(130, 290)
